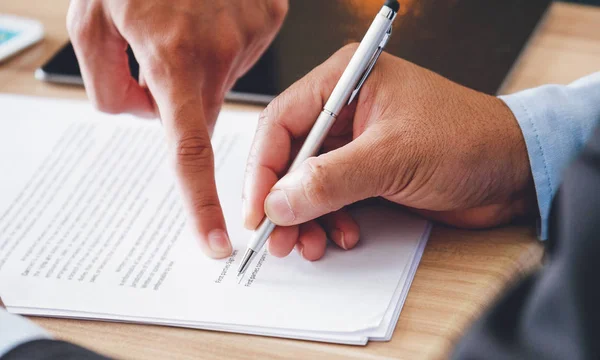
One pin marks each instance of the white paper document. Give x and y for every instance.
(92, 227)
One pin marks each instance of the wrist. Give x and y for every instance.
(521, 191)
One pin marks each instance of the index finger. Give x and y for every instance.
(184, 115)
(289, 116)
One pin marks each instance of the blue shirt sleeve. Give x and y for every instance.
(16, 330)
(556, 121)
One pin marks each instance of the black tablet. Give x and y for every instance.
(472, 42)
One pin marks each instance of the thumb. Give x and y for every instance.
(326, 183)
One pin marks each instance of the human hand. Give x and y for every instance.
(190, 54)
(413, 137)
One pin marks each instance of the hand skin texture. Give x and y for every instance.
(190, 52)
(450, 153)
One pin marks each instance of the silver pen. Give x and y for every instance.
(345, 91)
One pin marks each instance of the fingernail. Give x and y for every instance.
(218, 241)
(300, 248)
(278, 208)
(339, 237)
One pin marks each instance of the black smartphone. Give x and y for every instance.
(63, 67)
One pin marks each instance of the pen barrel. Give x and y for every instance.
(359, 62)
(315, 139)
(338, 99)
(261, 234)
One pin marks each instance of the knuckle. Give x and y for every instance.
(171, 48)
(342, 56)
(131, 20)
(271, 115)
(82, 21)
(266, 21)
(129, 28)
(227, 50)
(155, 69)
(104, 107)
(277, 10)
(112, 100)
(263, 118)
(179, 50)
(270, 112)
(109, 100)
(205, 204)
(109, 105)
(254, 149)
(316, 186)
(348, 49)
(222, 49)
(193, 153)
(78, 28)
(275, 112)
(251, 164)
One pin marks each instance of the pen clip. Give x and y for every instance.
(371, 65)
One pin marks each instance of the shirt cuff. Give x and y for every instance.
(556, 121)
(16, 330)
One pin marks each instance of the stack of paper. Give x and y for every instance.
(91, 226)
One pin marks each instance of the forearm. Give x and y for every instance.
(556, 122)
(553, 313)
(16, 330)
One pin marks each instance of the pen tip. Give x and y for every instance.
(240, 277)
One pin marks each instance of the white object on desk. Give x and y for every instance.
(91, 227)
(17, 34)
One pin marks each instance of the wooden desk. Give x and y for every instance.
(460, 271)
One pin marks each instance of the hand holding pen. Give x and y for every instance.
(412, 137)
(360, 66)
